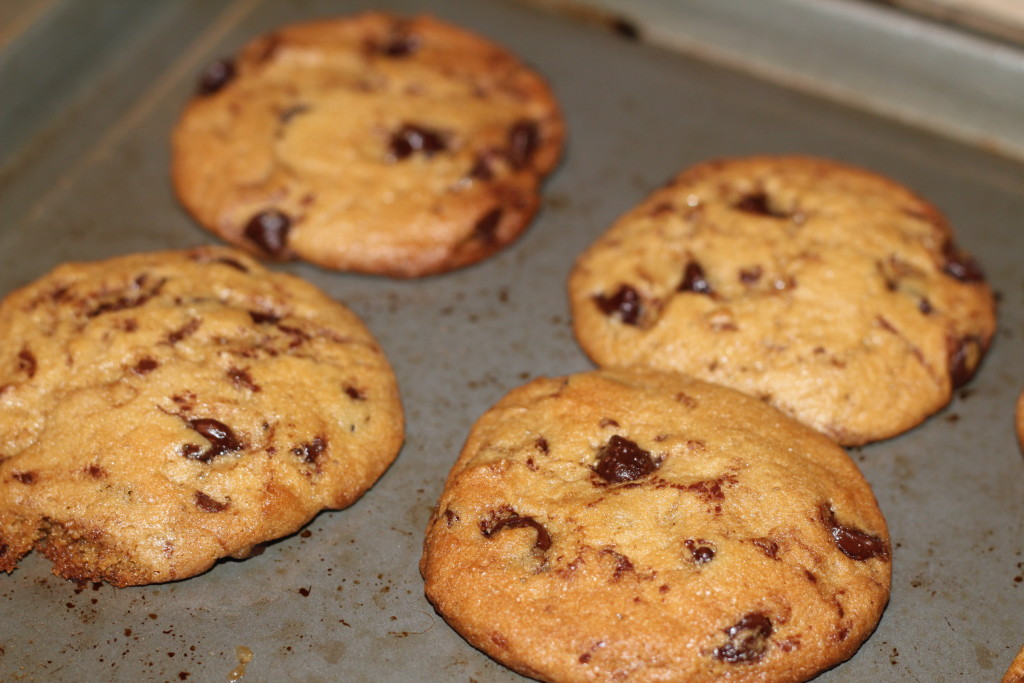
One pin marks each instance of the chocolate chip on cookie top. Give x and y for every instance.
(629, 523)
(373, 143)
(835, 294)
(165, 410)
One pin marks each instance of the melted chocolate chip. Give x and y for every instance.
(854, 543)
(767, 546)
(231, 263)
(269, 231)
(216, 75)
(208, 504)
(222, 440)
(145, 366)
(483, 167)
(515, 521)
(184, 331)
(925, 306)
(961, 368)
(625, 302)
(261, 318)
(25, 477)
(750, 276)
(242, 379)
(310, 452)
(523, 139)
(699, 551)
(748, 639)
(411, 138)
(758, 203)
(960, 265)
(399, 44)
(694, 279)
(27, 363)
(355, 394)
(622, 563)
(622, 460)
(486, 228)
(542, 445)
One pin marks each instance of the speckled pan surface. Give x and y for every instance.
(343, 599)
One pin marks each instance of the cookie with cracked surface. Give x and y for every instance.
(833, 293)
(629, 524)
(371, 143)
(165, 410)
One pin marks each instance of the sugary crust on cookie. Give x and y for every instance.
(400, 146)
(161, 411)
(833, 293)
(729, 542)
(1015, 674)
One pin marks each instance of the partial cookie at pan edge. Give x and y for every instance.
(371, 143)
(630, 524)
(835, 294)
(162, 411)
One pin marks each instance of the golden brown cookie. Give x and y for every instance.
(634, 525)
(371, 143)
(161, 411)
(834, 294)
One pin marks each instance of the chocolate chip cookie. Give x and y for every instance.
(835, 294)
(371, 143)
(628, 524)
(165, 410)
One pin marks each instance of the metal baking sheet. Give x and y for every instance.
(343, 599)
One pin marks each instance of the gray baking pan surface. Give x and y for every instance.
(343, 599)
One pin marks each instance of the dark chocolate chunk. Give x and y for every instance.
(960, 265)
(269, 231)
(523, 139)
(622, 460)
(625, 302)
(961, 368)
(542, 445)
(694, 279)
(515, 521)
(854, 543)
(700, 551)
(411, 138)
(748, 639)
(401, 43)
(208, 504)
(310, 452)
(24, 477)
(260, 318)
(355, 394)
(216, 75)
(760, 204)
(145, 366)
(222, 439)
(925, 306)
(487, 227)
(750, 276)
